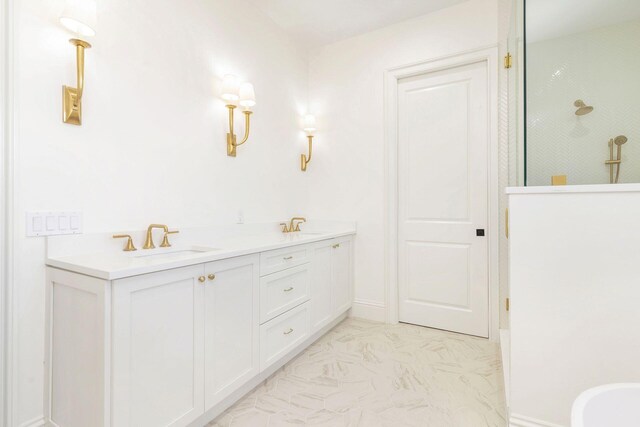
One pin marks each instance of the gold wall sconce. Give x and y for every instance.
(243, 94)
(78, 17)
(310, 128)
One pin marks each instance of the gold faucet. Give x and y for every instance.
(148, 243)
(165, 240)
(129, 247)
(293, 225)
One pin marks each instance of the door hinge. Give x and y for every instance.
(508, 60)
(506, 223)
(507, 304)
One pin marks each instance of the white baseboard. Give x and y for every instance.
(370, 310)
(516, 420)
(36, 422)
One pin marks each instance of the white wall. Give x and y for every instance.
(574, 297)
(346, 93)
(601, 67)
(152, 144)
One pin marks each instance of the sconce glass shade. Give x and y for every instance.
(79, 17)
(230, 88)
(309, 123)
(247, 95)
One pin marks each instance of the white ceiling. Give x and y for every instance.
(317, 22)
(548, 19)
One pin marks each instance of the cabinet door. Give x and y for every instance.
(158, 370)
(232, 323)
(321, 304)
(341, 275)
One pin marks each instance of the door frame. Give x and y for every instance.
(488, 55)
(8, 339)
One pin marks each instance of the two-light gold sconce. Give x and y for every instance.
(243, 94)
(78, 17)
(309, 128)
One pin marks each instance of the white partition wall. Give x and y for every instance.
(575, 292)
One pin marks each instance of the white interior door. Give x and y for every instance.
(443, 146)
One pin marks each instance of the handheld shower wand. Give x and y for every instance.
(619, 141)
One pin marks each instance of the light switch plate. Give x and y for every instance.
(53, 223)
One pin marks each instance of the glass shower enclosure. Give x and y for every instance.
(582, 92)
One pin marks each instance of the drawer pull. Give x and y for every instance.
(287, 258)
(288, 332)
(212, 276)
(337, 245)
(201, 279)
(289, 289)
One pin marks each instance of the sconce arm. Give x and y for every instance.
(310, 137)
(80, 45)
(247, 126)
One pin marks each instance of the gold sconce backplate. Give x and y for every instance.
(71, 106)
(231, 145)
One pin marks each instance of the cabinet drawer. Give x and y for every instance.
(280, 259)
(283, 290)
(282, 334)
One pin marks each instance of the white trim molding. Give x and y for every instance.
(370, 310)
(522, 421)
(36, 422)
(7, 315)
(489, 55)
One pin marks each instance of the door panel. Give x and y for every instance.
(443, 137)
(434, 152)
(231, 326)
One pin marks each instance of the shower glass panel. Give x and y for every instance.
(582, 94)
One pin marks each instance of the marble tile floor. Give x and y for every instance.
(369, 374)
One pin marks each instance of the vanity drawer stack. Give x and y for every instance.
(284, 294)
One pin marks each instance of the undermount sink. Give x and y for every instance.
(304, 233)
(160, 253)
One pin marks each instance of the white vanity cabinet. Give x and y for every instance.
(178, 346)
(341, 274)
(157, 348)
(321, 285)
(183, 340)
(231, 326)
(331, 280)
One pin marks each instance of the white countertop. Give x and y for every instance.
(111, 265)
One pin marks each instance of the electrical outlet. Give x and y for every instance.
(53, 223)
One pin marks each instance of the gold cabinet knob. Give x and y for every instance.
(201, 279)
(211, 276)
(336, 246)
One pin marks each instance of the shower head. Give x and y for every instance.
(583, 108)
(620, 140)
